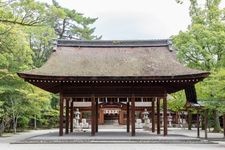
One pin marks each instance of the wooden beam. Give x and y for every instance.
(113, 91)
(198, 124)
(96, 119)
(206, 123)
(71, 115)
(190, 93)
(165, 119)
(189, 119)
(93, 116)
(61, 114)
(128, 116)
(67, 116)
(133, 115)
(158, 115)
(153, 115)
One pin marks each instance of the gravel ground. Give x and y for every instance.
(217, 138)
(112, 147)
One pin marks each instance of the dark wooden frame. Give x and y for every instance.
(157, 91)
(158, 115)
(71, 115)
(128, 115)
(61, 111)
(153, 115)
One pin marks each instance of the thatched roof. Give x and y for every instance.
(113, 59)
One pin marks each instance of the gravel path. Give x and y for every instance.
(35, 134)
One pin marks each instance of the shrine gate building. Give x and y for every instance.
(121, 77)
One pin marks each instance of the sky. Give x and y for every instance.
(133, 19)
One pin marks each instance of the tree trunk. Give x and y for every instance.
(177, 118)
(216, 124)
(14, 118)
(14, 124)
(2, 128)
(35, 122)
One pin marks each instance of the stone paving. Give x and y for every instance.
(106, 136)
(119, 135)
(174, 133)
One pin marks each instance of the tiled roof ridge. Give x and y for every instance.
(113, 43)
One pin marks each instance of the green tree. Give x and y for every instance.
(69, 24)
(15, 52)
(203, 44)
(23, 12)
(45, 22)
(39, 105)
(15, 56)
(27, 29)
(177, 101)
(212, 94)
(41, 42)
(12, 98)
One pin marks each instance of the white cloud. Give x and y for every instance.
(133, 19)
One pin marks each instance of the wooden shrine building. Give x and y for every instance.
(125, 71)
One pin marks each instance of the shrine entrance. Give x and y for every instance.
(112, 112)
(111, 116)
(123, 113)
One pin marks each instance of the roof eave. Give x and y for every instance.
(191, 76)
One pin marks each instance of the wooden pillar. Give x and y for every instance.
(206, 123)
(61, 114)
(158, 115)
(198, 124)
(121, 117)
(67, 116)
(96, 119)
(93, 116)
(165, 119)
(101, 116)
(128, 116)
(133, 115)
(71, 115)
(153, 115)
(189, 120)
(224, 125)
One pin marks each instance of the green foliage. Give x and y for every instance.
(27, 31)
(23, 122)
(69, 24)
(40, 39)
(42, 23)
(49, 119)
(15, 52)
(12, 97)
(23, 12)
(212, 91)
(21, 101)
(203, 44)
(177, 101)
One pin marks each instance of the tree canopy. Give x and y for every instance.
(27, 31)
(202, 46)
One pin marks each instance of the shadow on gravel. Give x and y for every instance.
(107, 137)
